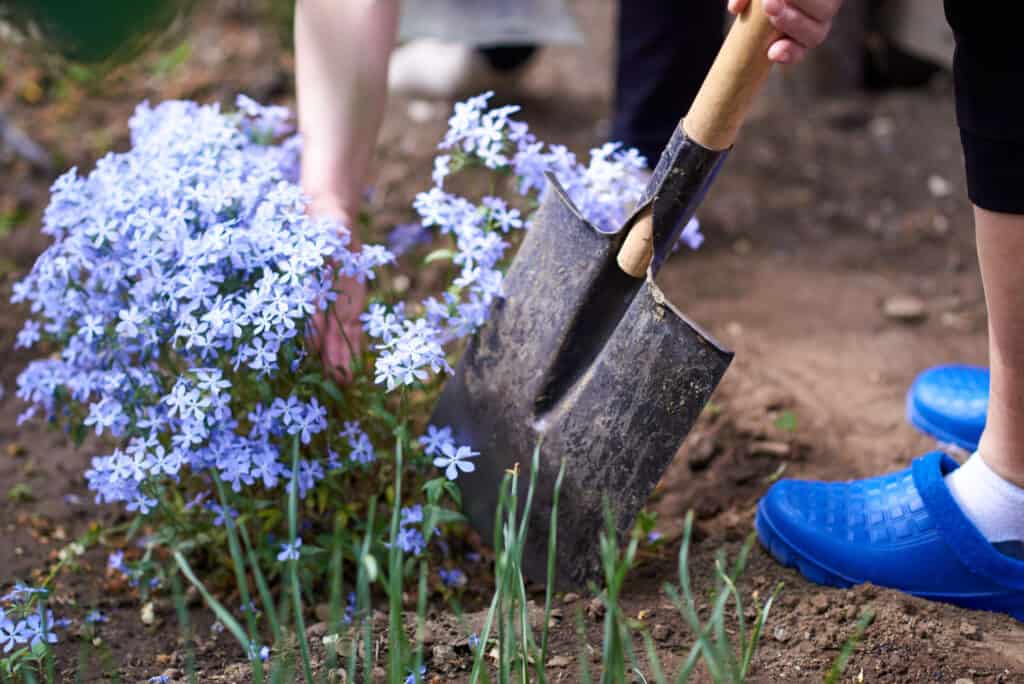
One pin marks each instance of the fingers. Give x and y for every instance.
(792, 19)
(737, 6)
(786, 51)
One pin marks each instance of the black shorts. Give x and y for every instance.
(988, 74)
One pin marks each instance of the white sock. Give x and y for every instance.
(994, 505)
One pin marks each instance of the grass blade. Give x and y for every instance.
(183, 622)
(222, 613)
(835, 673)
(552, 550)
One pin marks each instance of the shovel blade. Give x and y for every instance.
(595, 367)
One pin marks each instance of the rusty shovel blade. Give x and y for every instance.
(594, 365)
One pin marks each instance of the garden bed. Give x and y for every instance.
(803, 249)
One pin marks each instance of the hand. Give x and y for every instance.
(803, 24)
(337, 334)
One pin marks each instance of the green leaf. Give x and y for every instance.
(20, 493)
(786, 421)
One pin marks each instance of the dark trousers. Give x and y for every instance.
(663, 51)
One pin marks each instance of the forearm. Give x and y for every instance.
(341, 61)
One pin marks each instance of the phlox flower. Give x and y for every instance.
(454, 459)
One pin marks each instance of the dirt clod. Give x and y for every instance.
(820, 603)
(661, 632)
(570, 598)
(969, 631)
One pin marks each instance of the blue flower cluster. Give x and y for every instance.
(183, 274)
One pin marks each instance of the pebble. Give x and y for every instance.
(442, 653)
(595, 609)
(939, 186)
(904, 308)
(661, 632)
(781, 635)
(570, 598)
(964, 680)
(769, 448)
(559, 661)
(820, 603)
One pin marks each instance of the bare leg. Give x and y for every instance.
(341, 64)
(1001, 255)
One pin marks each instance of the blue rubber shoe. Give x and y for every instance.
(904, 531)
(950, 404)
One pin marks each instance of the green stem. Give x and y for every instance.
(243, 583)
(293, 564)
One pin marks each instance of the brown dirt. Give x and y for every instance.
(822, 214)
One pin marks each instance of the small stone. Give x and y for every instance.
(316, 630)
(661, 632)
(969, 631)
(595, 609)
(781, 635)
(881, 126)
(904, 308)
(442, 653)
(421, 111)
(702, 452)
(570, 598)
(559, 661)
(556, 614)
(939, 186)
(147, 613)
(964, 680)
(819, 602)
(769, 448)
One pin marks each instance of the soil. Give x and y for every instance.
(826, 211)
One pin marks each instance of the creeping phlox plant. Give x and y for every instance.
(175, 305)
(27, 628)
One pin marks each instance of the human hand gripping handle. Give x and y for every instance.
(736, 77)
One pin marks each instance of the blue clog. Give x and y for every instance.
(904, 531)
(950, 404)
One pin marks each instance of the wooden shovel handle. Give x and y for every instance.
(717, 113)
(735, 79)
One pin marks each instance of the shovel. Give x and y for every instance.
(585, 355)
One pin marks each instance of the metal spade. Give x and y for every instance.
(585, 355)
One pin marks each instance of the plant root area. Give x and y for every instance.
(826, 211)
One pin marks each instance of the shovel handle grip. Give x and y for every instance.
(717, 113)
(734, 81)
